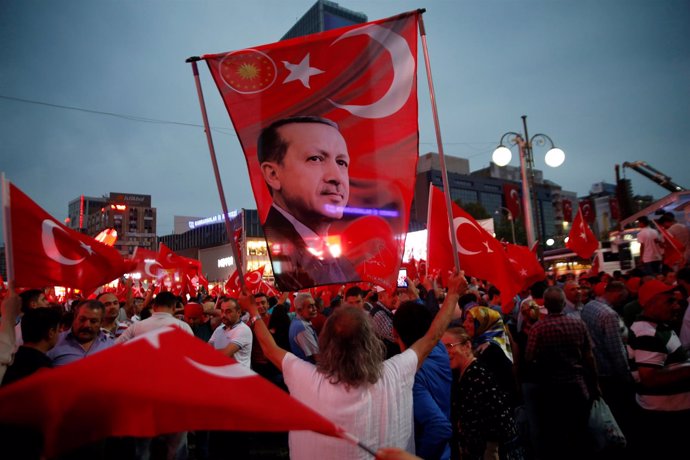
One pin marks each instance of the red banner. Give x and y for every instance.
(46, 253)
(587, 210)
(567, 211)
(481, 255)
(333, 192)
(526, 264)
(613, 205)
(581, 238)
(131, 383)
(511, 196)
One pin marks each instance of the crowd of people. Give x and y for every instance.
(436, 371)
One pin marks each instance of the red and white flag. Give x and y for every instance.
(481, 255)
(526, 264)
(362, 77)
(44, 252)
(511, 195)
(587, 210)
(581, 238)
(567, 211)
(131, 383)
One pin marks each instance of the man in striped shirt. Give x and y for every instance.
(662, 371)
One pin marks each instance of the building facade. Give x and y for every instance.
(324, 15)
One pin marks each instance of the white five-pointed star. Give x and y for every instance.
(523, 272)
(488, 249)
(87, 247)
(301, 71)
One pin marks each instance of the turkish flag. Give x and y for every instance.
(511, 196)
(232, 285)
(362, 77)
(268, 289)
(595, 267)
(147, 263)
(587, 211)
(253, 279)
(526, 264)
(567, 211)
(674, 251)
(581, 238)
(481, 255)
(43, 252)
(184, 265)
(613, 205)
(131, 383)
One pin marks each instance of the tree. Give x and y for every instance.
(475, 210)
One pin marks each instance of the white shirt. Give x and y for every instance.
(378, 415)
(649, 237)
(157, 320)
(240, 335)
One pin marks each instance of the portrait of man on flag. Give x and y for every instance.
(328, 126)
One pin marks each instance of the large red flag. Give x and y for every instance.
(363, 78)
(131, 383)
(674, 251)
(147, 263)
(526, 264)
(581, 238)
(481, 255)
(44, 252)
(511, 195)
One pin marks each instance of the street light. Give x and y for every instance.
(510, 218)
(502, 156)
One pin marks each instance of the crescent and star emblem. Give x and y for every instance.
(457, 223)
(48, 240)
(147, 267)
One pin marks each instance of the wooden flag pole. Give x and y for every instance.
(439, 142)
(229, 227)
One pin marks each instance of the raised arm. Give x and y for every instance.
(457, 285)
(273, 352)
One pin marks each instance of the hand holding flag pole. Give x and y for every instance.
(229, 228)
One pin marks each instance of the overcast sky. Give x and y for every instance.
(608, 80)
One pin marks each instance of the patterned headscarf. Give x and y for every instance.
(489, 327)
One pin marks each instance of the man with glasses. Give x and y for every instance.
(304, 343)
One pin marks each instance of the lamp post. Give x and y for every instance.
(510, 218)
(554, 158)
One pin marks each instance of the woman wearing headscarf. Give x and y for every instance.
(491, 343)
(485, 425)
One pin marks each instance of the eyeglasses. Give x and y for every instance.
(450, 346)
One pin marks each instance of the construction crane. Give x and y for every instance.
(654, 175)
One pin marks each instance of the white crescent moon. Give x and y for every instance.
(147, 267)
(48, 240)
(253, 277)
(226, 371)
(457, 222)
(403, 73)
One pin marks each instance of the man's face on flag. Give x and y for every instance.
(311, 182)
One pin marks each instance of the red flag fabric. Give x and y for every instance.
(131, 383)
(361, 77)
(511, 196)
(481, 255)
(581, 239)
(596, 266)
(613, 205)
(44, 252)
(587, 211)
(567, 211)
(253, 279)
(147, 264)
(526, 264)
(232, 285)
(674, 251)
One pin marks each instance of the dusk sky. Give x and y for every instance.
(607, 80)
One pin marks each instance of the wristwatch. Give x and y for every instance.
(254, 319)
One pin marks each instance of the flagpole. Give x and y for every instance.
(354, 440)
(439, 142)
(6, 229)
(229, 227)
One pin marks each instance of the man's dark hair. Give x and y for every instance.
(29, 296)
(554, 299)
(667, 217)
(272, 147)
(260, 294)
(166, 300)
(468, 298)
(354, 291)
(683, 274)
(91, 304)
(644, 220)
(615, 286)
(37, 322)
(411, 321)
(493, 292)
(537, 289)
